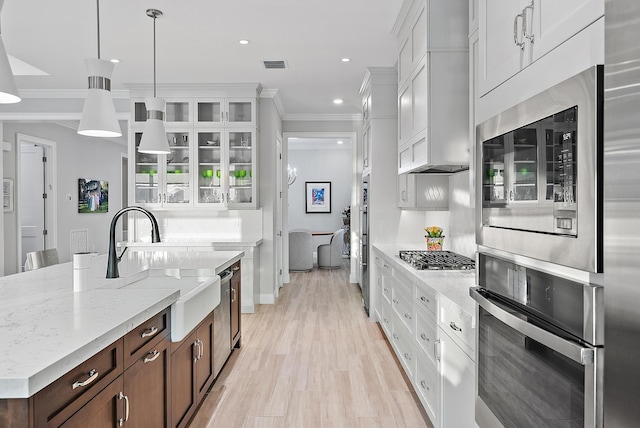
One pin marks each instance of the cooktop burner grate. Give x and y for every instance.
(437, 260)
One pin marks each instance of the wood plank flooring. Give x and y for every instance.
(313, 359)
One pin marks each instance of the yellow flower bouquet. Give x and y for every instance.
(434, 238)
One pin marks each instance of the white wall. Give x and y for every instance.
(332, 165)
(77, 157)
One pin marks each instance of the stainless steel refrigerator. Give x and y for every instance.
(622, 214)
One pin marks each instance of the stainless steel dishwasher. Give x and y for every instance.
(222, 323)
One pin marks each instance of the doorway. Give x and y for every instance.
(315, 167)
(36, 196)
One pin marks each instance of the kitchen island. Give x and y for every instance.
(47, 329)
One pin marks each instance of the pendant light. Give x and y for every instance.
(154, 137)
(8, 90)
(99, 115)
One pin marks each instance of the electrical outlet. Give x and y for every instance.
(68, 197)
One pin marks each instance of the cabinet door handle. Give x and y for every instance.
(424, 337)
(407, 316)
(221, 116)
(407, 356)
(396, 301)
(424, 299)
(395, 336)
(154, 356)
(423, 384)
(201, 348)
(524, 22)
(436, 350)
(150, 331)
(516, 39)
(121, 396)
(236, 268)
(233, 295)
(197, 344)
(403, 196)
(454, 326)
(93, 375)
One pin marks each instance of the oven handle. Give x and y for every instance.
(581, 355)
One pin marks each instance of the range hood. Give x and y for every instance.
(439, 169)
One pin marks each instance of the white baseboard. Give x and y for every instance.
(353, 278)
(267, 299)
(248, 309)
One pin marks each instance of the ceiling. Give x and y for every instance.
(197, 42)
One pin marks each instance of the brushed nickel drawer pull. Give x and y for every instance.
(396, 301)
(423, 384)
(424, 299)
(121, 396)
(154, 355)
(424, 337)
(150, 331)
(395, 336)
(454, 326)
(407, 356)
(407, 316)
(93, 375)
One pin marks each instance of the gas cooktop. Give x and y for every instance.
(437, 260)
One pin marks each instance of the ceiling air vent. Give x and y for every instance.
(275, 65)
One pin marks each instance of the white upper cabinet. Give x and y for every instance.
(516, 33)
(432, 84)
(214, 150)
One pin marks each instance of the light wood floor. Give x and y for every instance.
(313, 359)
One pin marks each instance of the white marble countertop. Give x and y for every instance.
(453, 285)
(46, 329)
(217, 243)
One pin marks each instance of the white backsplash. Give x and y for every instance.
(457, 222)
(201, 225)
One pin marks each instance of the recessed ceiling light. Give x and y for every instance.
(345, 59)
(115, 60)
(338, 101)
(244, 42)
(340, 142)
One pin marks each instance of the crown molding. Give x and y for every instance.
(274, 94)
(323, 117)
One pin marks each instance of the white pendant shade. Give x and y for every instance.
(8, 89)
(99, 115)
(154, 138)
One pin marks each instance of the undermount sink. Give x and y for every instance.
(199, 295)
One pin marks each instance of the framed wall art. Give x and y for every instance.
(318, 197)
(93, 196)
(7, 195)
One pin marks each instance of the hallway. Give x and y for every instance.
(313, 359)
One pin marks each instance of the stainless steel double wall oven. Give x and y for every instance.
(540, 309)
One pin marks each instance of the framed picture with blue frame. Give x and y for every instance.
(318, 197)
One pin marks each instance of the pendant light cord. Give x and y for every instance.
(98, 26)
(154, 56)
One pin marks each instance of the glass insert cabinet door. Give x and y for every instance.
(225, 111)
(210, 168)
(241, 161)
(164, 179)
(178, 189)
(177, 112)
(146, 178)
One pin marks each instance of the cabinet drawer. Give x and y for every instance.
(426, 299)
(405, 351)
(58, 401)
(385, 285)
(150, 331)
(426, 334)
(458, 324)
(427, 385)
(387, 320)
(403, 307)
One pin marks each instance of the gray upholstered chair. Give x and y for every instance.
(330, 255)
(300, 251)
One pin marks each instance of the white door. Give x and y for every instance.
(279, 208)
(32, 207)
